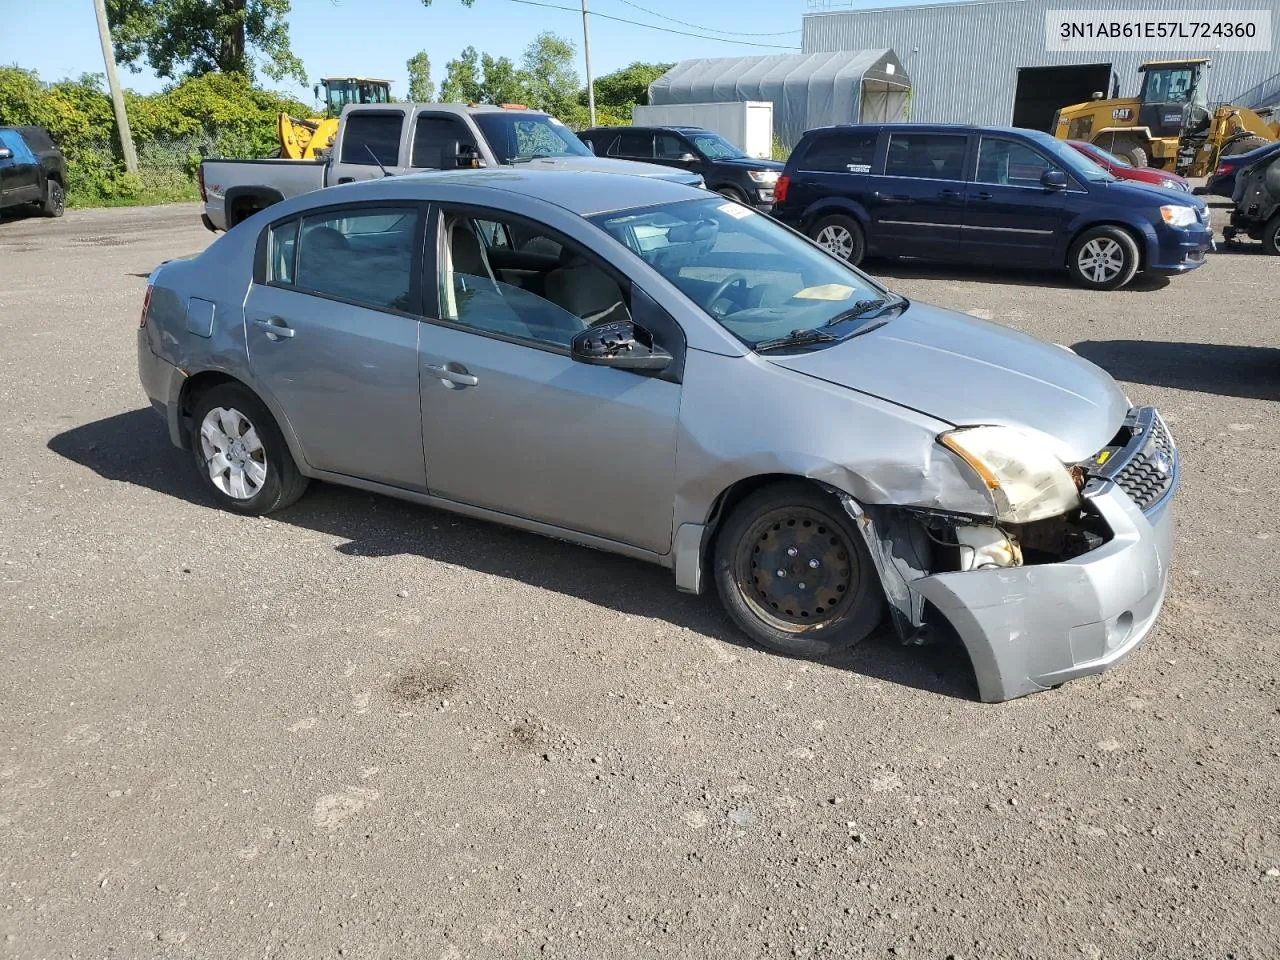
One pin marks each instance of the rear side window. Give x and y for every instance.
(372, 133)
(364, 256)
(929, 156)
(282, 246)
(632, 143)
(436, 141)
(37, 138)
(843, 152)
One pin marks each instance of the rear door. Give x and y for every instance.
(836, 165)
(369, 141)
(919, 200)
(1010, 217)
(633, 145)
(20, 174)
(332, 326)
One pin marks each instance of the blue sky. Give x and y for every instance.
(375, 37)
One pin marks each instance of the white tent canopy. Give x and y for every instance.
(807, 89)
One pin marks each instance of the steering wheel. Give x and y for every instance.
(723, 287)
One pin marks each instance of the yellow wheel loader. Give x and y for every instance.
(306, 139)
(1170, 124)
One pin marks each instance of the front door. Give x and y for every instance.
(20, 174)
(513, 424)
(919, 201)
(1010, 217)
(332, 333)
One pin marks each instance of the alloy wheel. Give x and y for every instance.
(796, 569)
(233, 453)
(1101, 259)
(836, 240)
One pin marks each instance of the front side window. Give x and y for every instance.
(362, 256)
(517, 137)
(372, 138)
(1008, 163)
(437, 140)
(670, 147)
(511, 279)
(844, 152)
(928, 156)
(757, 279)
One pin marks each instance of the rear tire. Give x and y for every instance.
(1103, 258)
(240, 454)
(1271, 236)
(840, 236)
(54, 202)
(794, 573)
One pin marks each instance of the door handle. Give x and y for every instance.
(948, 194)
(346, 179)
(276, 327)
(453, 373)
(984, 195)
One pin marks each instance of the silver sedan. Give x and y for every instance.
(639, 367)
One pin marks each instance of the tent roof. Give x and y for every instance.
(693, 81)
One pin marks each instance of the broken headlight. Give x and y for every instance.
(1024, 478)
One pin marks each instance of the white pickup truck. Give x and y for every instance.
(376, 140)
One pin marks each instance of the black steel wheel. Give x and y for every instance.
(794, 573)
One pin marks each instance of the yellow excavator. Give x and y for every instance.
(306, 139)
(1170, 124)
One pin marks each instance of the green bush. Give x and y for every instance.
(212, 115)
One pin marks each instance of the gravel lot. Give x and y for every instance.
(366, 729)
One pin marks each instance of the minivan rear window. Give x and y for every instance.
(929, 156)
(843, 152)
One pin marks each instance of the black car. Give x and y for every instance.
(985, 195)
(724, 168)
(32, 170)
(1222, 182)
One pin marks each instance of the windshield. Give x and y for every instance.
(753, 276)
(1170, 85)
(716, 147)
(517, 137)
(1072, 160)
(1097, 153)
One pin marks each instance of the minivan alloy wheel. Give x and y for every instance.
(836, 239)
(1101, 259)
(233, 453)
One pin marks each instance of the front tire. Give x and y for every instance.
(840, 236)
(794, 574)
(54, 203)
(1103, 258)
(240, 454)
(734, 194)
(1271, 236)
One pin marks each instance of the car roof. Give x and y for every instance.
(682, 128)
(583, 192)
(930, 128)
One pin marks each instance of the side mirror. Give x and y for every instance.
(1096, 95)
(1053, 180)
(688, 158)
(466, 156)
(6, 153)
(618, 344)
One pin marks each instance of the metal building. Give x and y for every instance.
(985, 61)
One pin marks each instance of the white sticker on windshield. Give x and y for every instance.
(735, 210)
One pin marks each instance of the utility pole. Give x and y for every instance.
(117, 96)
(586, 52)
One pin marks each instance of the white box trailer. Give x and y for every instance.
(747, 124)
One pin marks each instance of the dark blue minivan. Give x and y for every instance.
(989, 195)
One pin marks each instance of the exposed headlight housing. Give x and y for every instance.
(763, 176)
(1176, 215)
(1025, 479)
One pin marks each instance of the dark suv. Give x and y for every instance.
(32, 170)
(724, 168)
(986, 195)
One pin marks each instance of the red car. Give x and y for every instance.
(1127, 171)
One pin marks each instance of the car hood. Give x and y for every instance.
(969, 372)
(1138, 190)
(751, 163)
(609, 165)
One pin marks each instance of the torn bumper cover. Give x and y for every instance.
(1031, 628)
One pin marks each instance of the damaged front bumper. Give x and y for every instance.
(1030, 628)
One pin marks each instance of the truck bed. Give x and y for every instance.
(241, 187)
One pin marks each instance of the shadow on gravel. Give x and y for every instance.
(134, 448)
(979, 273)
(1230, 371)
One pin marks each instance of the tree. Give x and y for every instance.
(462, 78)
(194, 37)
(549, 75)
(421, 89)
(623, 89)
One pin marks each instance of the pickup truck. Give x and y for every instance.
(377, 140)
(32, 170)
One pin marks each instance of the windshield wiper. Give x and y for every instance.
(796, 338)
(533, 156)
(862, 308)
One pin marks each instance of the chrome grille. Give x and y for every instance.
(1151, 470)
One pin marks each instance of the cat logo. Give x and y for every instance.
(1122, 113)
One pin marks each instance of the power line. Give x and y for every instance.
(698, 26)
(654, 26)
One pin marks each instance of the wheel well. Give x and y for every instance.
(1138, 239)
(56, 177)
(242, 206)
(739, 491)
(830, 210)
(194, 387)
